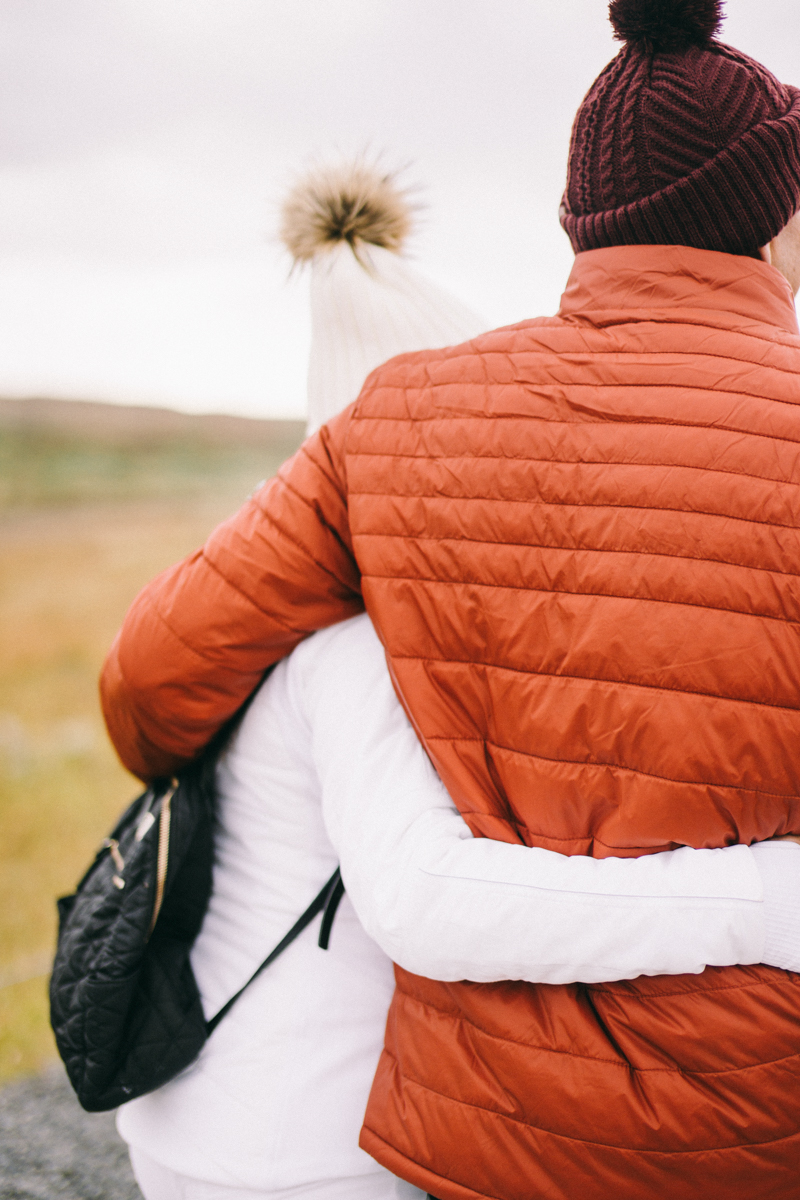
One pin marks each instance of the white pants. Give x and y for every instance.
(159, 1183)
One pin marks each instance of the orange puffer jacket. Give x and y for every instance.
(579, 539)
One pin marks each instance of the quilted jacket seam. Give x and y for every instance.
(434, 386)
(642, 357)
(621, 385)
(517, 587)
(655, 687)
(615, 421)
(469, 458)
(625, 1063)
(738, 333)
(460, 1019)
(664, 994)
(330, 475)
(152, 601)
(471, 541)
(270, 520)
(244, 595)
(792, 344)
(588, 1142)
(578, 762)
(699, 512)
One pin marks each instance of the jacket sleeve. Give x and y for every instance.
(197, 640)
(448, 906)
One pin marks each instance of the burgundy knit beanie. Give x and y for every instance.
(681, 140)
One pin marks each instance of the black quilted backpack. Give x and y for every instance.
(124, 1004)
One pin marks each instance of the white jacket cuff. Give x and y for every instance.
(779, 867)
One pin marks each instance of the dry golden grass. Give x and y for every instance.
(67, 576)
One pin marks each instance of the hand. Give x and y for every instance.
(786, 837)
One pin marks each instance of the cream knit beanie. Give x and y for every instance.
(367, 303)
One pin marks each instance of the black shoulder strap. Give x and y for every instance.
(327, 900)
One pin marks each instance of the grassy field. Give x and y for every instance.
(93, 502)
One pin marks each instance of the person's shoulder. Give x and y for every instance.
(392, 390)
(503, 338)
(349, 647)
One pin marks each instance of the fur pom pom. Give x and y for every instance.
(352, 203)
(665, 25)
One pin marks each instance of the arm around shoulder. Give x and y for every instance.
(449, 906)
(197, 640)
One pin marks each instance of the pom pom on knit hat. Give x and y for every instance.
(351, 203)
(665, 25)
(349, 224)
(681, 140)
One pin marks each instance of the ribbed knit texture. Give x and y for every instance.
(367, 308)
(699, 147)
(779, 867)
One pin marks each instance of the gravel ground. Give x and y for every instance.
(49, 1147)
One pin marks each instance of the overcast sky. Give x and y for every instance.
(147, 145)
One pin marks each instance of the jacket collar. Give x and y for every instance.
(646, 282)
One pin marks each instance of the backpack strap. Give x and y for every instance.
(326, 900)
(335, 892)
